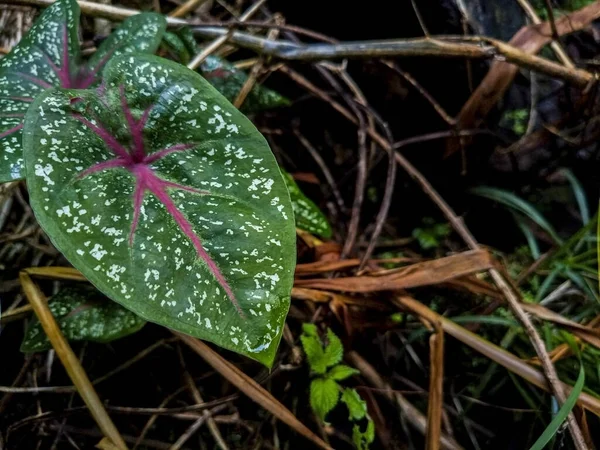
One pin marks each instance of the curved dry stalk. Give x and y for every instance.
(435, 408)
(70, 361)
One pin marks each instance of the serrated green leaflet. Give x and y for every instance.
(49, 56)
(169, 200)
(363, 439)
(308, 215)
(357, 407)
(83, 314)
(341, 372)
(324, 395)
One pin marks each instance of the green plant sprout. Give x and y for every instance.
(325, 390)
(431, 234)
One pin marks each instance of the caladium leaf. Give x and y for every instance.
(181, 44)
(222, 74)
(308, 215)
(168, 200)
(49, 56)
(83, 314)
(229, 80)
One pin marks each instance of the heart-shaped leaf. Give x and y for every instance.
(49, 56)
(308, 215)
(83, 314)
(169, 200)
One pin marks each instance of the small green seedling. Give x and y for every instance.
(431, 234)
(48, 56)
(325, 390)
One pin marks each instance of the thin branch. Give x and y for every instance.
(476, 47)
(187, 7)
(221, 40)
(256, 69)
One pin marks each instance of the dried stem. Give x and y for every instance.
(70, 361)
(187, 7)
(560, 52)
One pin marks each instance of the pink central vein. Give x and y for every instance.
(138, 164)
(11, 131)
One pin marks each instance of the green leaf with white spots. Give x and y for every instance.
(83, 314)
(141, 33)
(181, 44)
(308, 215)
(49, 56)
(228, 80)
(168, 200)
(223, 75)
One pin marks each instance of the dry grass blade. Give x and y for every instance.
(549, 315)
(531, 40)
(435, 407)
(70, 362)
(558, 50)
(317, 267)
(187, 7)
(420, 274)
(250, 387)
(317, 296)
(495, 353)
(56, 273)
(436, 389)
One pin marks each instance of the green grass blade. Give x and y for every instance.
(562, 414)
(516, 203)
(579, 195)
(531, 240)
